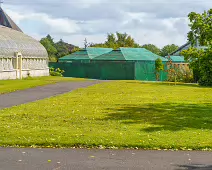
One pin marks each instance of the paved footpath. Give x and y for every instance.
(41, 92)
(82, 159)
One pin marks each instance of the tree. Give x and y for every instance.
(48, 43)
(51, 50)
(124, 40)
(57, 50)
(111, 41)
(200, 59)
(201, 28)
(62, 49)
(192, 55)
(152, 48)
(51, 40)
(75, 49)
(117, 40)
(166, 50)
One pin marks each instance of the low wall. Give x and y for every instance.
(5, 75)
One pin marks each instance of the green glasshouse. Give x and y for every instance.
(109, 64)
(177, 59)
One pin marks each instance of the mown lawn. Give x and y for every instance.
(120, 114)
(14, 85)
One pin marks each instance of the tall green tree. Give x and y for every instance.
(62, 49)
(201, 28)
(51, 40)
(111, 41)
(200, 59)
(51, 50)
(57, 50)
(168, 49)
(153, 48)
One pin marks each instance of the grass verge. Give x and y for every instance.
(122, 114)
(7, 86)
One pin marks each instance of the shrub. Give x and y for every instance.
(52, 59)
(158, 67)
(179, 73)
(56, 72)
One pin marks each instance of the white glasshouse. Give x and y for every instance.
(20, 55)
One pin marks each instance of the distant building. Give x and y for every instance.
(185, 47)
(20, 55)
(176, 57)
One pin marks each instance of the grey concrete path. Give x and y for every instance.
(81, 159)
(41, 92)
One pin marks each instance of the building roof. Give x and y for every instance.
(130, 54)
(179, 59)
(12, 41)
(6, 21)
(187, 46)
(86, 54)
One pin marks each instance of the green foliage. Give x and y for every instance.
(158, 67)
(137, 115)
(56, 72)
(117, 40)
(58, 49)
(99, 45)
(50, 48)
(53, 59)
(152, 48)
(201, 28)
(193, 55)
(179, 73)
(206, 68)
(51, 40)
(75, 49)
(168, 49)
(62, 49)
(200, 60)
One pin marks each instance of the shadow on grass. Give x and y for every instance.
(164, 116)
(195, 167)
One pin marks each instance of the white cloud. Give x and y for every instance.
(159, 22)
(59, 25)
(54, 25)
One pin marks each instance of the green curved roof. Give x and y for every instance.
(177, 58)
(130, 54)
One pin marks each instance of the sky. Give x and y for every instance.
(158, 22)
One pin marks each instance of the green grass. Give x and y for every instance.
(7, 86)
(123, 114)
